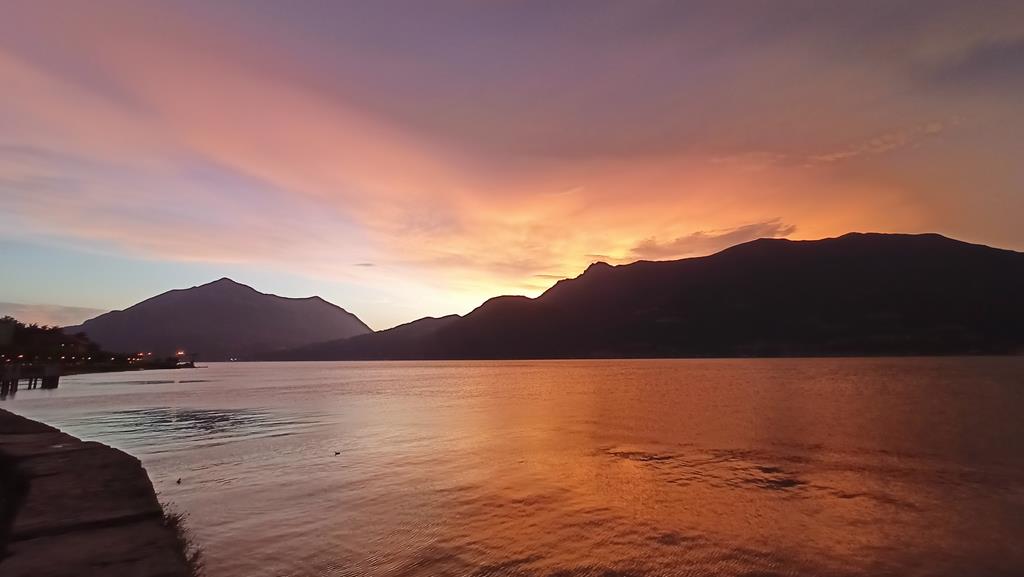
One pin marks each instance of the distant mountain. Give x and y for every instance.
(408, 341)
(220, 320)
(858, 294)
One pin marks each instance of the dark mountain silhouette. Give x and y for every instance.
(859, 294)
(220, 320)
(409, 341)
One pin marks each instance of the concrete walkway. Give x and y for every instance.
(84, 509)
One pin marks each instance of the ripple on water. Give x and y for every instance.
(162, 429)
(656, 468)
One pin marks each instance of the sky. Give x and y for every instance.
(405, 159)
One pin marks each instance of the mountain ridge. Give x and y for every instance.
(858, 293)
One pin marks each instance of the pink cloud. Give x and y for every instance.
(192, 142)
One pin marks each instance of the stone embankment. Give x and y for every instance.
(79, 508)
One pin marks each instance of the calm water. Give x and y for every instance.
(613, 468)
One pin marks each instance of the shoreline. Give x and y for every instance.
(72, 507)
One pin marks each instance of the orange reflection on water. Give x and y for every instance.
(697, 467)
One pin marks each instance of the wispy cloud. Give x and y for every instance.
(988, 62)
(708, 241)
(298, 141)
(880, 144)
(53, 315)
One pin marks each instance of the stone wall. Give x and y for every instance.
(78, 509)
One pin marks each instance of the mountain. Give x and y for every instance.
(858, 294)
(408, 341)
(220, 320)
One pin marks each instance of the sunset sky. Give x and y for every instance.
(404, 159)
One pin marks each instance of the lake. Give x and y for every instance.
(613, 468)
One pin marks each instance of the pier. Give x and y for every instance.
(45, 376)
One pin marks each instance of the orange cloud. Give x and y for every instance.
(139, 128)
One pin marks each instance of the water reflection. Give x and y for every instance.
(836, 467)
